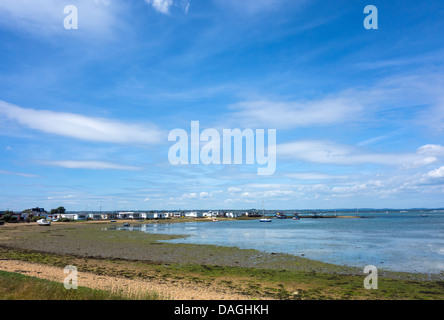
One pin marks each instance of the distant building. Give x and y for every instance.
(135, 215)
(193, 214)
(168, 215)
(233, 214)
(159, 215)
(253, 214)
(211, 214)
(54, 216)
(94, 216)
(125, 215)
(74, 216)
(154, 215)
(147, 215)
(109, 216)
(38, 211)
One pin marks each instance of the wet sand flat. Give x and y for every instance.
(138, 261)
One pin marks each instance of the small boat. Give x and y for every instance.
(126, 224)
(296, 217)
(44, 222)
(281, 216)
(424, 215)
(113, 221)
(263, 219)
(215, 220)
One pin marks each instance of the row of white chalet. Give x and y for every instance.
(40, 212)
(111, 216)
(146, 215)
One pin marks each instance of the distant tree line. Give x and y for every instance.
(8, 215)
(58, 210)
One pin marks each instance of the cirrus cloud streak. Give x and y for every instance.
(82, 127)
(327, 152)
(95, 165)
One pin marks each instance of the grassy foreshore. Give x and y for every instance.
(16, 286)
(225, 270)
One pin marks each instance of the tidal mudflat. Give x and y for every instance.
(253, 273)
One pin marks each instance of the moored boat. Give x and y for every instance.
(263, 219)
(44, 222)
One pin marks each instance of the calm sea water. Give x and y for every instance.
(395, 241)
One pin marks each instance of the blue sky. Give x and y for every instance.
(85, 113)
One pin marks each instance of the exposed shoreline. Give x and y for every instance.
(165, 290)
(90, 239)
(89, 245)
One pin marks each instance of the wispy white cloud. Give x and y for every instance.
(204, 194)
(82, 127)
(436, 173)
(384, 186)
(391, 99)
(69, 196)
(327, 152)
(288, 115)
(267, 194)
(234, 189)
(200, 195)
(372, 140)
(432, 150)
(164, 6)
(20, 174)
(315, 176)
(434, 56)
(256, 6)
(95, 165)
(191, 195)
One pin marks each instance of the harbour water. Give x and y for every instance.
(397, 241)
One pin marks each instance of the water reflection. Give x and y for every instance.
(399, 242)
